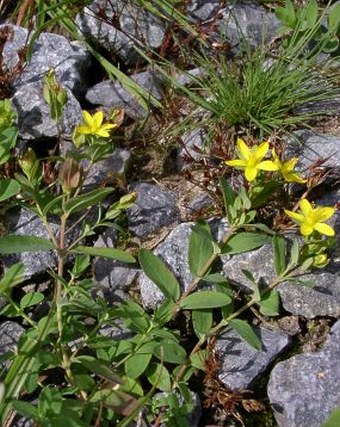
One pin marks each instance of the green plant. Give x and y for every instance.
(81, 377)
(320, 29)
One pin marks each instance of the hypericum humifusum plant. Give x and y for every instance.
(66, 371)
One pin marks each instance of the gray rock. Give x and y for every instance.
(69, 58)
(10, 332)
(327, 107)
(203, 10)
(124, 26)
(188, 77)
(259, 262)
(322, 299)
(319, 297)
(192, 143)
(113, 278)
(246, 22)
(113, 94)
(174, 252)
(23, 222)
(107, 170)
(154, 208)
(310, 147)
(241, 364)
(199, 203)
(20, 421)
(304, 389)
(34, 118)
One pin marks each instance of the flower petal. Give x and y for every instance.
(250, 173)
(87, 118)
(84, 129)
(98, 119)
(290, 164)
(323, 213)
(102, 132)
(108, 126)
(243, 149)
(324, 229)
(306, 207)
(261, 150)
(298, 217)
(267, 165)
(236, 163)
(293, 177)
(306, 229)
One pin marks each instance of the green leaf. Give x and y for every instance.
(334, 19)
(200, 248)
(331, 45)
(287, 14)
(134, 316)
(13, 276)
(159, 376)
(279, 248)
(30, 299)
(8, 188)
(170, 351)
(205, 299)
(8, 139)
(228, 196)
(309, 15)
(270, 303)
(245, 242)
(333, 420)
(11, 244)
(246, 332)
(198, 360)
(98, 367)
(202, 321)
(84, 201)
(156, 270)
(50, 402)
(111, 253)
(25, 409)
(294, 254)
(137, 363)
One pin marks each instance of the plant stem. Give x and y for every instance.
(193, 285)
(286, 275)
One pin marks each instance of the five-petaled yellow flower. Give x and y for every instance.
(311, 219)
(286, 169)
(251, 159)
(94, 125)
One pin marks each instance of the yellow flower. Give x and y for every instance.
(312, 219)
(251, 159)
(320, 261)
(94, 125)
(286, 169)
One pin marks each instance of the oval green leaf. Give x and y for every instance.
(8, 188)
(245, 242)
(11, 244)
(246, 332)
(111, 253)
(84, 201)
(156, 270)
(205, 299)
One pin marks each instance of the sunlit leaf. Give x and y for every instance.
(205, 299)
(246, 332)
(156, 270)
(17, 244)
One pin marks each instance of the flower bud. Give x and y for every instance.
(70, 174)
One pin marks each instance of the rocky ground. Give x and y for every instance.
(298, 370)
